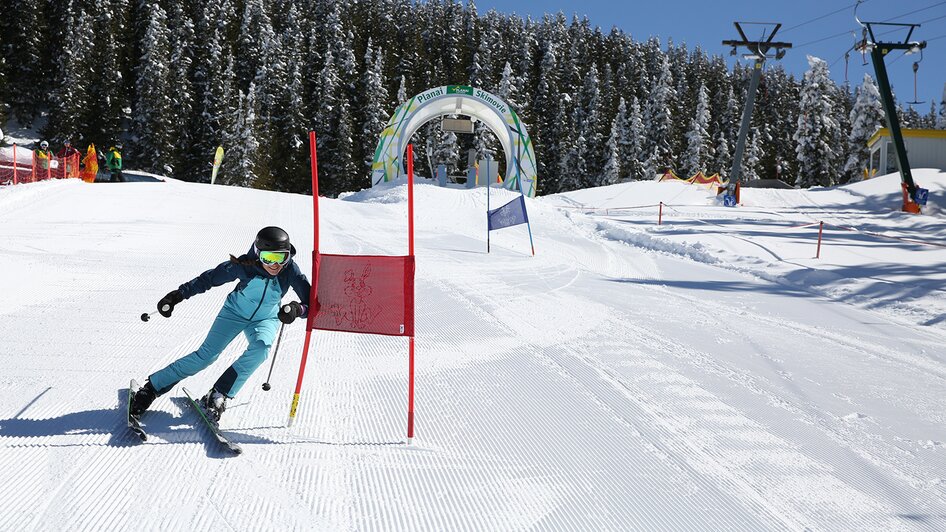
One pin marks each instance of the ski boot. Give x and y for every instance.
(214, 404)
(142, 400)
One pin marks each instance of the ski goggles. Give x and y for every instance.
(274, 257)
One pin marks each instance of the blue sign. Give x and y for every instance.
(729, 200)
(921, 196)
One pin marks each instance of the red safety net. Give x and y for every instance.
(365, 294)
(22, 165)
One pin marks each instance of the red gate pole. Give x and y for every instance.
(315, 278)
(15, 180)
(820, 229)
(410, 245)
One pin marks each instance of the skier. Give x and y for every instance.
(114, 162)
(253, 307)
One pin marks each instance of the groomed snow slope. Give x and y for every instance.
(704, 374)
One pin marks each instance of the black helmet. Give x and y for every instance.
(272, 239)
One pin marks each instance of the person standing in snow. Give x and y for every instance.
(69, 158)
(265, 273)
(114, 162)
(43, 156)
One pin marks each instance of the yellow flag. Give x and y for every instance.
(218, 158)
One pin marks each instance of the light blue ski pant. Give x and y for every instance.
(228, 324)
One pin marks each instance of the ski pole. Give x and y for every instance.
(147, 315)
(266, 385)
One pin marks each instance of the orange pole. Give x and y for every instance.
(15, 180)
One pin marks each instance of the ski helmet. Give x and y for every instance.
(67, 142)
(44, 145)
(272, 239)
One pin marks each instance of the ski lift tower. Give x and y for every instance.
(913, 196)
(758, 50)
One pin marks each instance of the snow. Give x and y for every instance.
(707, 373)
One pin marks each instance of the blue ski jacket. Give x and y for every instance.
(258, 294)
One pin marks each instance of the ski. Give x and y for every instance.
(133, 422)
(214, 428)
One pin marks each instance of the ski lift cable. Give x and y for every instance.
(836, 35)
(931, 6)
(846, 52)
(822, 16)
(920, 23)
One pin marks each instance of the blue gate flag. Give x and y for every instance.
(510, 214)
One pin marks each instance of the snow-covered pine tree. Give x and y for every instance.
(25, 49)
(548, 98)
(573, 168)
(402, 91)
(446, 150)
(612, 166)
(618, 139)
(752, 165)
(699, 144)
(152, 127)
(588, 126)
(722, 162)
(659, 121)
(910, 119)
(481, 67)
(244, 148)
(842, 103)
(507, 86)
(817, 129)
(67, 101)
(867, 117)
(335, 140)
(256, 30)
(181, 65)
(728, 112)
(632, 145)
(108, 90)
(374, 98)
(281, 123)
(521, 90)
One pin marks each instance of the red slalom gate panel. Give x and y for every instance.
(365, 294)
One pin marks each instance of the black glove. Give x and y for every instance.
(292, 310)
(166, 305)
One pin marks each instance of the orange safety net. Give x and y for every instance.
(91, 165)
(698, 179)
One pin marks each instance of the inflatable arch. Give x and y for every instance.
(498, 116)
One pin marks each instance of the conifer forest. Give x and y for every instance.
(173, 79)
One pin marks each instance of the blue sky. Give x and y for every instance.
(820, 28)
